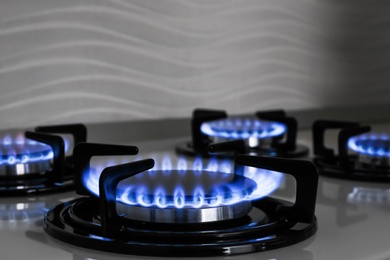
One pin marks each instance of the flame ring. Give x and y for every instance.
(242, 128)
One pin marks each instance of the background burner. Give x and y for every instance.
(37, 162)
(185, 196)
(360, 156)
(254, 131)
(185, 189)
(372, 150)
(270, 133)
(202, 182)
(20, 156)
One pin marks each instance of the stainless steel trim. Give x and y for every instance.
(251, 142)
(184, 215)
(33, 167)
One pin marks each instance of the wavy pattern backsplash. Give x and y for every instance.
(113, 60)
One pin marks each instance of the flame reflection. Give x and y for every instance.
(369, 195)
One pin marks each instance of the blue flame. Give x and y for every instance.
(242, 128)
(19, 150)
(265, 182)
(371, 144)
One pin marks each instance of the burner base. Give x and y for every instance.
(249, 234)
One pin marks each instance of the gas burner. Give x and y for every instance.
(36, 162)
(361, 155)
(129, 215)
(19, 156)
(250, 129)
(369, 196)
(263, 133)
(184, 196)
(372, 149)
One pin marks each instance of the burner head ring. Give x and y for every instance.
(373, 150)
(253, 130)
(185, 189)
(201, 184)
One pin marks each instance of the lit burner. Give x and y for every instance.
(199, 209)
(270, 133)
(19, 156)
(372, 149)
(361, 155)
(32, 162)
(200, 185)
(208, 178)
(250, 129)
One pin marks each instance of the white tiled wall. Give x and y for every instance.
(113, 60)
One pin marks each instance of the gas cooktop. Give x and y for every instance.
(349, 220)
